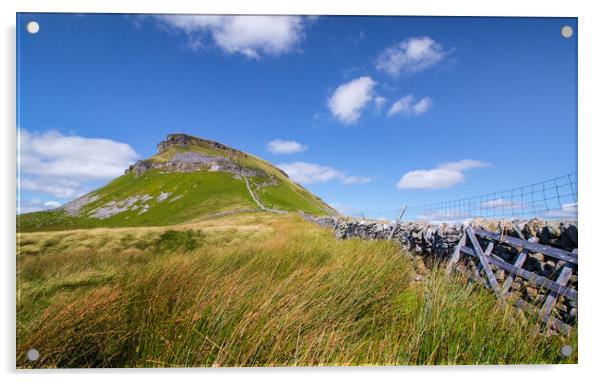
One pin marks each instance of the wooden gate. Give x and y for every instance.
(488, 257)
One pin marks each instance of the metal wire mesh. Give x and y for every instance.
(551, 200)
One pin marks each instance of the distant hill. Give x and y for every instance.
(188, 178)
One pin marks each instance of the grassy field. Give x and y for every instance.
(253, 290)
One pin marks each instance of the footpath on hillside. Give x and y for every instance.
(256, 199)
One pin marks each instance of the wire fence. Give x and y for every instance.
(552, 199)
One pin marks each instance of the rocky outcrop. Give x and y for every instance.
(183, 140)
(191, 161)
(140, 167)
(73, 207)
(115, 207)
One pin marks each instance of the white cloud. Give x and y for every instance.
(442, 216)
(55, 186)
(566, 210)
(379, 102)
(401, 106)
(344, 209)
(406, 106)
(410, 56)
(251, 36)
(349, 99)
(444, 176)
(51, 204)
(430, 179)
(309, 173)
(422, 106)
(464, 164)
(59, 165)
(353, 179)
(279, 146)
(501, 203)
(32, 205)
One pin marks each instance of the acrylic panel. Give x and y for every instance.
(234, 191)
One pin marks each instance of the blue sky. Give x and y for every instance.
(366, 112)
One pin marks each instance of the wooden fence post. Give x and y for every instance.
(487, 259)
(520, 260)
(562, 279)
(397, 222)
(484, 262)
(488, 251)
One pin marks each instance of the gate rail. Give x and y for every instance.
(554, 288)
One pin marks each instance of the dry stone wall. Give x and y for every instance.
(437, 242)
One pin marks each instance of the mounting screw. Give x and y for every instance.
(32, 355)
(32, 27)
(566, 31)
(566, 350)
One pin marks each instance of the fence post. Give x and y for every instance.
(520, 260)
(484, 262)
(562, 279)
(397, 221)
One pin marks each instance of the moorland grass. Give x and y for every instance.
(253, 290)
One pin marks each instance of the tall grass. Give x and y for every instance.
(254, 291)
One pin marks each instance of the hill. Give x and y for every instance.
(188, 178)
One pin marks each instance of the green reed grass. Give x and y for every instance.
(254, 292)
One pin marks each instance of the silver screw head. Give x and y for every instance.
(566, 31)
(32, 27)
(566, 350)
(32, 355)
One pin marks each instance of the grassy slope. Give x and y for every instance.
(254, 289)
(203, 193)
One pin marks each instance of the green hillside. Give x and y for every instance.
(189, 178)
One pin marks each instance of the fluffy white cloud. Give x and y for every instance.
(349, 99)
(59, 165)
(401, 106)
(309, 173)
(251, 36)
(444, 176)
(406, 106)
(25, 206)
(411, 55)
(279, 146)
(430, 179)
